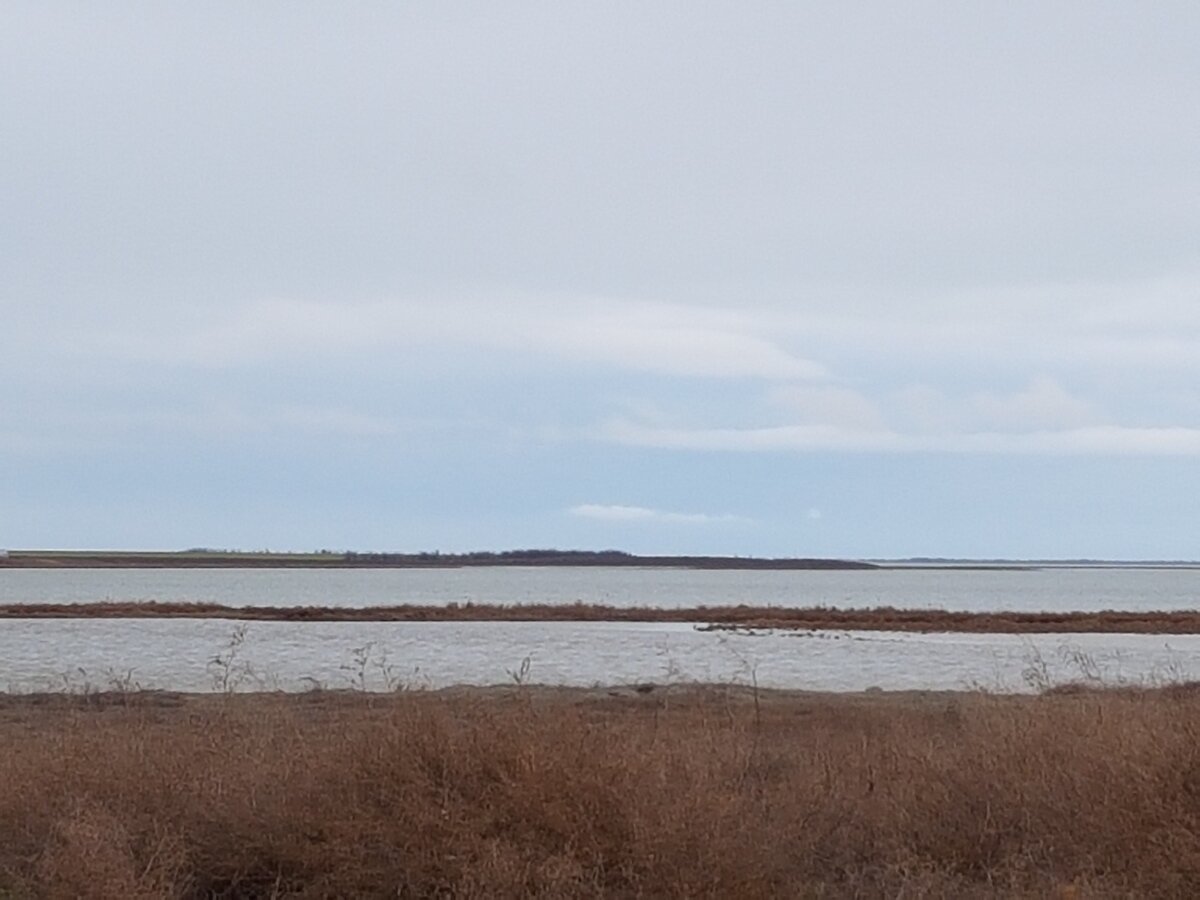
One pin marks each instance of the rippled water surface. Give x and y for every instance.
(79, 654)
(958, 589)
(179, 654)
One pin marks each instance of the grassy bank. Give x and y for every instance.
(720, 792)
(744, 617)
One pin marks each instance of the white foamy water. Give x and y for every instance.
(78, 654)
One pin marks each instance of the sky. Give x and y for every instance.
(858, 279)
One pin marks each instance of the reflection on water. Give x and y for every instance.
(207, 655)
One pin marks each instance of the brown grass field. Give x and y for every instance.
(652, 792)
(815, 618)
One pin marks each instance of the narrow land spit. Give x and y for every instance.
(716, 617)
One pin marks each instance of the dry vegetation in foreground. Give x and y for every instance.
(745, 617)
(527, 792)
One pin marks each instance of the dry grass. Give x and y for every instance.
(697, 792)
(814, 618)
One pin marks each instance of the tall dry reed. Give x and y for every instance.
(697, 792)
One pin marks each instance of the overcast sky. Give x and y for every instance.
(847, 279)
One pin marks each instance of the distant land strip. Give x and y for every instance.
(744, 618)
(201, 558)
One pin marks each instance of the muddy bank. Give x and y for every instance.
(716, 617)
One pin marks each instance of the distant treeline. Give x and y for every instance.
(593, 558)
(350, 559)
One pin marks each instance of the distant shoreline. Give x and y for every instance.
(237, 559)
(202, 559)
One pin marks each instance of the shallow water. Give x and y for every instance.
(178, 654)
(1054, 589)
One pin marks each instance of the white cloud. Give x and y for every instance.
(1043, 404)
(782, 437)
(922, 407)
(673, 341)
(1107, 440)
(618, 513)
(665, 338)
(827, 405)
(1135, 324)
(224, 420)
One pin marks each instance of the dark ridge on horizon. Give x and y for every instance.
(206, 558)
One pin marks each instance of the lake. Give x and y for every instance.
(1054, 588)
(79, 654)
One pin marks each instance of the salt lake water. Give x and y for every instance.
(78, 654)
(1051, 588)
